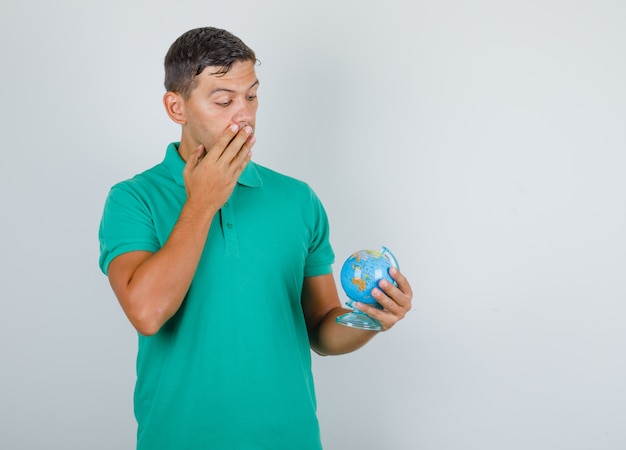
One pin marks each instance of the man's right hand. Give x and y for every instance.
(210, 175)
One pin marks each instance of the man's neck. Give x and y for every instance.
(186, 148)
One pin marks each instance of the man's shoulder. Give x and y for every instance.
(271, 177)
(144, 180)
(288, 190)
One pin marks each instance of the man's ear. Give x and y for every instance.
(175, 107)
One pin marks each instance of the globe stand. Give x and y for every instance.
(358, 319)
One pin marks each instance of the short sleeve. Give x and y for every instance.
(320, 256)
(126, 225)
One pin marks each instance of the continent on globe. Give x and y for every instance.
(360, 283)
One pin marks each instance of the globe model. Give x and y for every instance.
(363, 271)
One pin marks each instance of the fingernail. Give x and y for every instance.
(393, 271)
(234, 127)
(248, 130)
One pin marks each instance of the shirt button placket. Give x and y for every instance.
(230, 236)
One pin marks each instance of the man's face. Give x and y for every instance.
(219, 101)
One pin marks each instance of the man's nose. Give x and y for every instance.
(244, 114)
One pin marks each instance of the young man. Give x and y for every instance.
(224, 268)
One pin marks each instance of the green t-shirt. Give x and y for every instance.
(232, 368)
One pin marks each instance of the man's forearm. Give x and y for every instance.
(155, 288)
(330, 338)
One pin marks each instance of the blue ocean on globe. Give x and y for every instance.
(362, 272)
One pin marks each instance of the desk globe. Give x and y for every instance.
(361, 273)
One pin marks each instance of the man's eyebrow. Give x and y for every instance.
(216, 90)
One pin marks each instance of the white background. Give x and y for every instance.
(482, 142)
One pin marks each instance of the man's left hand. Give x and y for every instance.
(395, 300)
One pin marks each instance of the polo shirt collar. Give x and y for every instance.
(249, 177)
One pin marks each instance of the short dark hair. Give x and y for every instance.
(197, 49)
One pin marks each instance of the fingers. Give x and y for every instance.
(403, 284)
(193, 161)
(214, 153)
(239, 148)
(235, 144)
(395, 300)
(197, 155)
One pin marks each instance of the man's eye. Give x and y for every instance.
(224, 103)
(251, 97)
